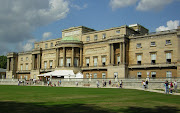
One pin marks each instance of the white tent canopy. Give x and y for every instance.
(60, 73)
(79, 75)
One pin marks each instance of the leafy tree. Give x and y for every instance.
(3, 62)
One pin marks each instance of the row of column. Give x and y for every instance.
(36, 64)
(122, 53)
(10, 64)
(64, 57)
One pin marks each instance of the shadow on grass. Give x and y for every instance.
(157, 109)
(15, 107)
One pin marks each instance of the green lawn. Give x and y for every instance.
(27, 99)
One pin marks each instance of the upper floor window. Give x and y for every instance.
(46, 45)
(153, 58)
(51, 44)
(153, 43)
(138, 45)
(95, 61)
(139, 74)
(103, 61)
(87, 62)
(95, 37)
(103, 36)
(38, 46)
(27, 66)
(117, 31)
(21, 66)
(27, 58)
(45, 64)
(22, 59)
(168, 42)
(50, 64)
(168, 58)
(88, 38)
(76, 60)
(139, 58)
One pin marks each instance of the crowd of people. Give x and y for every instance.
(170, 87)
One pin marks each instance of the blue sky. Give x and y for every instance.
(37, 20)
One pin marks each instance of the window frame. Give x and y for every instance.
(138, 45)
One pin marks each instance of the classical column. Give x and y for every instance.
(64, 56)
(33, 57)
(112, 54)
(7, 64)
(39, 61)
(81, 57)
(120, 47)
(12, 63)
(109, 54)
(57, 57)
(72, 57)
(124, 52)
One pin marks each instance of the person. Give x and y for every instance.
(58, 83)
(147, 84)
(104, 83)
(76, 83)
(171, 87)
(121, 84)
(118, 84)
(175, 86)
(144, 84)
(97, 82)
(167, 87)
(48, 83)
(110, 82)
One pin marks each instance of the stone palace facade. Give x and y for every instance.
(122, 52)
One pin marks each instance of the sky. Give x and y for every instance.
(23, 22)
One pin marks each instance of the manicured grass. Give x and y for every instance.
(27, 99)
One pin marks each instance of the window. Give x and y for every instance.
(115, 74)
(103, 75)
(76, 62)
(22, 59)
(153, 58)
(51, 44)
(26, 66)
(61, 62)
(153, 74)
(45, 64)
(87, 75)
(87, 38)
(21, 76)
(50, 64)
(104, 36)
(68, 62)
(38, 46)
(34, 76)
(118, 31)
(138, 45)
(153, 43)
(118, 60)
(168, 74)
(139, 57)
(103, 61)
(139, 74)
(27, 58)
(168, 42)
(46, 45)
(87, 62)
(95, 37)
(26, 77)
(168, 58)
(21, 66)
(95, 61)
(95, 75)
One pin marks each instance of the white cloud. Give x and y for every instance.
(79, 7)
(46, 35)
(145, 5)
(18, 19)
(27, 46)
(170, 25)
(121, 3)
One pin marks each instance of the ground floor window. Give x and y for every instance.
(115, 74)
(139, 74)
(153, 74)
(168, 74)
(95, 75)
(103, 75)
(87, 75)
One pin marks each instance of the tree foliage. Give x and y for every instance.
(3, 62)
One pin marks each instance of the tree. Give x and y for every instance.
(3, 62)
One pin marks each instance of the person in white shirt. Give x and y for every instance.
(175, 86)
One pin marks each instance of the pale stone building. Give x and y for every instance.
(122, 52)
